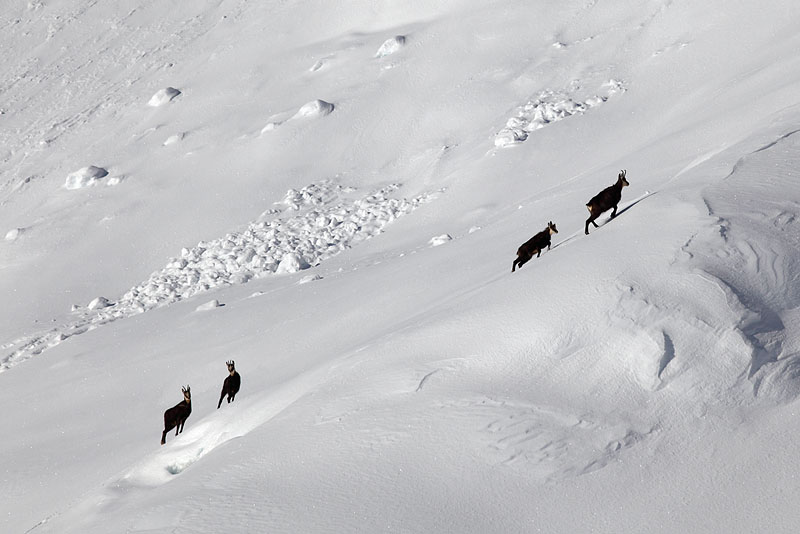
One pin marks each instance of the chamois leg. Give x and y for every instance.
(222, 396)
(163, 437)
(614, 211)
(589, 220)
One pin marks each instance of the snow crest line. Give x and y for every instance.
(327, 223)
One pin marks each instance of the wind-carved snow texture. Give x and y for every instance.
(549, 107)
(744, 253)
(552, 444)
(327, 222)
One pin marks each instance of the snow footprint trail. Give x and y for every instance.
(214, 430)
(605, 221)
(549, 107)
(329, 220)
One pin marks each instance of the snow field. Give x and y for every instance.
(641, 379)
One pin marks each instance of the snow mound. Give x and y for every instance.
(440, 240)
(85, 177)
(315, 108)
(210, 305)
(163, 96)
(99, 303)
(391, 46)
(173, 139)
(13, 234)
(291, 263)
(549, 107)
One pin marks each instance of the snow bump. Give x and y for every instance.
(391, 46)
(13, 234)
(313, 109)
(163, 97)
(440, 240)
(85, 177)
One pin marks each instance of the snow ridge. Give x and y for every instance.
(322, 228)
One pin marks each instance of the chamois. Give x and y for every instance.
(534, 245)
(231, 385)
(176, 416)
(604, 200)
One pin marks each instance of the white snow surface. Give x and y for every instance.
(287, 212)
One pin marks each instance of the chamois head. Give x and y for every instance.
(231, 367)
(187, 394)
(621, 178)
(551, 227)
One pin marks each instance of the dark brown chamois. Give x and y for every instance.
(231, 385)
(176, 416)
(604, 200)
(534, 245)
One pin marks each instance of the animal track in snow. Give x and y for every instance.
(549, 107)
(327, 221)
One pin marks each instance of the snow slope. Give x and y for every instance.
(332, 195)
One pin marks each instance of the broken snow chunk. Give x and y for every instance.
(163, 96)
(315, 108)
(99, 303)
(291, 263)
(390, 46)
(509, 136)
(13, 234)
(309, 278)
(440, 240)
(85, 177)
(210, 305)
(175, 138)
